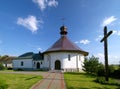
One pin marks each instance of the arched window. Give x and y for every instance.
(22, 63)
(69, 57)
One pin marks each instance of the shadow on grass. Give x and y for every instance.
(31, 78)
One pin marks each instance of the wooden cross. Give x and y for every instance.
(106, 35)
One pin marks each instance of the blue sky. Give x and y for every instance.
(33, 25)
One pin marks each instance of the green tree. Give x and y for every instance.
(91, 65)
(1, 66)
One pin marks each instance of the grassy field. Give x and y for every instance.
(84, 81)
(18, 81)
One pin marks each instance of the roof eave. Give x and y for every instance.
(82, 52)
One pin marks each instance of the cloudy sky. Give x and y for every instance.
(33, 25)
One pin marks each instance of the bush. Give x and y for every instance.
(100, 80)
(1, 66)
(101, 70)
(111, 70)
(3, 85)
(91, 65)
(9, 68)
(116, 74)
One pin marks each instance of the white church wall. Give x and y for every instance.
(80, 61)
(46, 64)
(73, 63)
(35, 64)
(22, 64)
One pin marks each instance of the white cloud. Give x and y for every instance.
(85, 41)
(30, 23)
(108, 20)
(99, 38)
(39, 49)
(116, 32)
(76, 42)
(41, 3)
(44, 3)
(111, 58)
(52, 3)
(100, 56)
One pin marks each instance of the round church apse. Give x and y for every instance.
(57, 65)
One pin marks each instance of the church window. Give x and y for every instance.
(69, 57)
(79, 58)
(22, 63)
(34, 63)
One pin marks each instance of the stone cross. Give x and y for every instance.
(106, 35)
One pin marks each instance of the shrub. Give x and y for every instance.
(100, 80)
(101, 70)
(116, 74)
(91, 65)
(1, 66)
(9, 68)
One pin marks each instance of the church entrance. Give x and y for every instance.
(57, 65)
(38, 65)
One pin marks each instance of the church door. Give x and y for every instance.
(38, 65)
(57, 65)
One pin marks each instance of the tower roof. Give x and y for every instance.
(65, 45)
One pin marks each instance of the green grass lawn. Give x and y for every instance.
(18, 81)
(84, 81)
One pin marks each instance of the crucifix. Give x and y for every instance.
(106, 35)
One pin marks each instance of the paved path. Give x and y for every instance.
(51, 81)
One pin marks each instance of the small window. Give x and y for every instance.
(41, 62)
(69, 57)
(34, 63)
(79, 57)
(22, 63)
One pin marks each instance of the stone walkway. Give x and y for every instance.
(51, 81)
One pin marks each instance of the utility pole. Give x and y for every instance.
(106, 35)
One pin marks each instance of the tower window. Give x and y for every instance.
(69, 57)
(22, 63)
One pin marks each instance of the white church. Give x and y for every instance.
(63, 55)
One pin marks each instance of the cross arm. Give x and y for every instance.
(105, 37)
